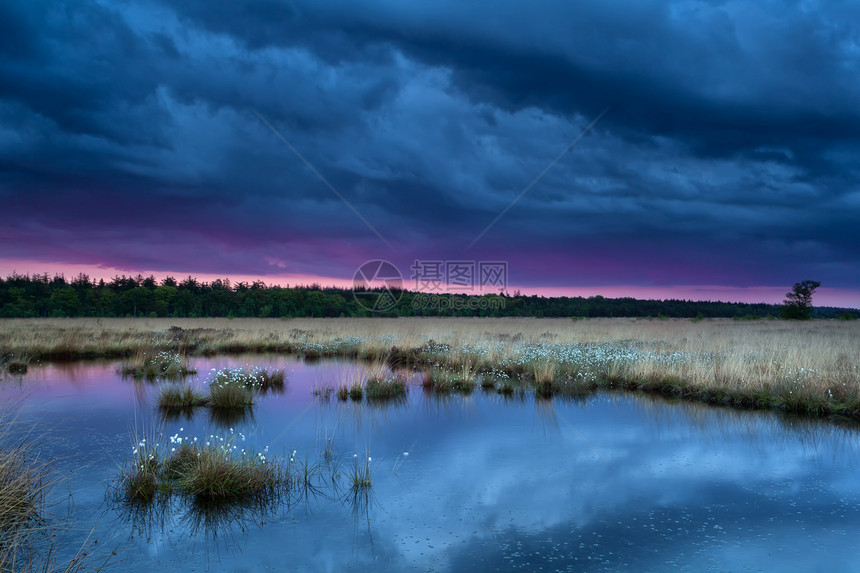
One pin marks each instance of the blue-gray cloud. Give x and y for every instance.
(128, 137)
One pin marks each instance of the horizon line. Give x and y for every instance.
(834, 297)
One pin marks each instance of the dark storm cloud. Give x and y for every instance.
(707, 71)
(128, 137)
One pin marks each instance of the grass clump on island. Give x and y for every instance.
(216, 474)
(385, 388)
(219, 470)
(236, 387)
(230, 388)
(227, 391)
(150, 365)
(181, 397)
(251, 377)
(375, 381)
(215, 470)
(356, 392)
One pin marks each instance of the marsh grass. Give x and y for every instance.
(265, 381)
(215, 474)
(237, 387)
(216, 477)
(356, 392)
(373, 380)
(212, 472)
(387, 388)
(151, 364)
(214, 517)
(29, 536)
(507, 387)
(544, 378)
(16, 366)
(806, 366)
(462, 380)
(307, 475)
(361, 473)
(229, 396)
(23, 486)
(231, 389)
(324, 393)
(552, 380)
(328, 446)
(334, 384)
(138, 480)
(180, 464)
(181, 397)
(343, 393)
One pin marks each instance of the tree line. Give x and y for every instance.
(24, 296)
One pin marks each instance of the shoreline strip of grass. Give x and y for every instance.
(808, 367)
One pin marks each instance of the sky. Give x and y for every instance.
(658, 149)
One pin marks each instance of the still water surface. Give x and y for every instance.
(464, 483)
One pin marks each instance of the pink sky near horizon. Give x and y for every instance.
(768, 294)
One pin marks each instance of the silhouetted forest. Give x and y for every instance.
(23, 296)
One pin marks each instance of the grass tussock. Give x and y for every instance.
(230, 388)
(233, 388)
(356, 392)
(214, 470)
(388, 388)
(181, 397)
(219, 486)
(544, 377)
(14, 365)
(228, 396)
(252, 377)
(361, 473)
(151, 365)
(271, 380)
(212, 473)
(218, 473)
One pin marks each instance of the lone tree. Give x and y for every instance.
(798, 302)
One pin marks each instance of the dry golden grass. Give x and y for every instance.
(27, 538)
(810, 366)
(23, 485)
